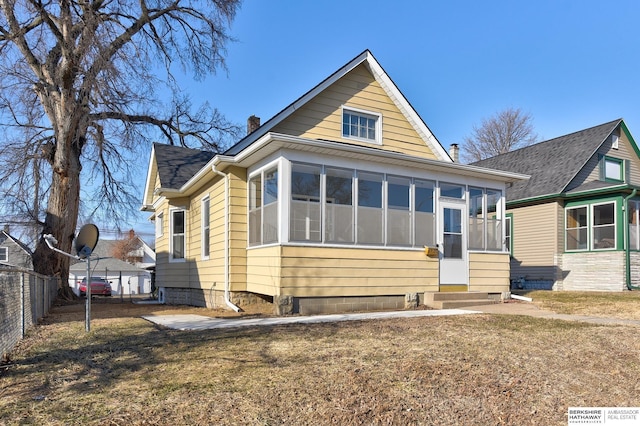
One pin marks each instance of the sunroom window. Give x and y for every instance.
(485, 225)
(305, 203)
(339, 206)
(398, 211)
(424, 216)
(370, 212)
(263, 207)
(476, 218)
(494, 223)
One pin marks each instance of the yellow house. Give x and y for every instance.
(343, 201)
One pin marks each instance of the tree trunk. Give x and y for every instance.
(62, 216)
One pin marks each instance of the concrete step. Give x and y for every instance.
(457, 300)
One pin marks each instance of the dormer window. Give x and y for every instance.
(361, 125)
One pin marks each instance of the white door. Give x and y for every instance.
(452, 243)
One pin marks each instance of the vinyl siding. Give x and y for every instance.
(535, 241)
(591, 171)
(263, 270)
(489, 272)
(330, 271)
(321, 118)
(238, 211)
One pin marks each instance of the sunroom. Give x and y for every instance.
(354, 221)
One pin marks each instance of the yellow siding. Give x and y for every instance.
(238, 228)
(329, 271)
(535, 240)
(321, 118)
(489, 272)
(263, 270)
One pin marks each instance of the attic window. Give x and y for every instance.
(4, 254)
(611, 169)
(362, 125)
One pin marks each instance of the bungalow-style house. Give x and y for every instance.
(14, 253)
(342, 201)
(574, 224)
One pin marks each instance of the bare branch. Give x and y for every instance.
(80, 100)
(505, 131)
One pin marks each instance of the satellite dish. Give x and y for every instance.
(86, 240)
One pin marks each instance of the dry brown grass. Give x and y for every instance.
(622, 305)
(476, 369)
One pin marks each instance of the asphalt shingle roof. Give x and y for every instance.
(176, 164)
(552, 164)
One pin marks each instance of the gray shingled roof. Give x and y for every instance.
(551, 164)
(101, 259)
(176, 164)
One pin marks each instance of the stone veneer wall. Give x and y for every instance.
(594, 271)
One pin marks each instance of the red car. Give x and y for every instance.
(99, 287)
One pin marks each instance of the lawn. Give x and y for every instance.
(466, 370)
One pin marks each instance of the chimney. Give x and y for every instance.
(253, 123)
(454, 152)
(132, 234)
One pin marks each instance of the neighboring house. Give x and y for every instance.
(574, 224)
(328, 206)
(141, 254)
(126, 278)
(13, 252)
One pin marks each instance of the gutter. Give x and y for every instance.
(227, 300)
(627, 249)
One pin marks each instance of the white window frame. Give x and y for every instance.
(362, 113)
(159, 225)
(205, 227)
(172, 235)
(280, 221)
(592, 226)
(4, 254)
(566, 211)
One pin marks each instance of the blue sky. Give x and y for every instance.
(570, 64)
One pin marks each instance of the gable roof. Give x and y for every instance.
(102, 259)
(552, 164)
(4, 235)
(177, 164)
(385, 82)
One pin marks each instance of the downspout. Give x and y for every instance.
(227, 300)
(627, 248)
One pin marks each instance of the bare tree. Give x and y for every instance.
(80, 83)
(505, 131)
(126, 248)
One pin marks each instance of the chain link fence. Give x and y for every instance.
(25, 297)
